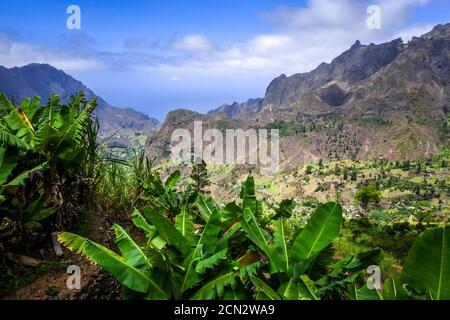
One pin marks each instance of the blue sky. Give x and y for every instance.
(156, 56)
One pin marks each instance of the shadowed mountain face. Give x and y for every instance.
(389, 100)
(43, 80)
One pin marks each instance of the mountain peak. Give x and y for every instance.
(356, 45)
(439, 31)
(37, 79)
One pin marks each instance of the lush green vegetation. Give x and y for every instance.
(218, 233)
(239, 253)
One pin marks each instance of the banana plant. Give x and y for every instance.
(50, 139)
(179, 261)
(426, 273)
(175, 262)
(291, 262)
(163, 195)
(29, 217)
(234, 255)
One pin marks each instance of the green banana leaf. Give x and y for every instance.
(248, 197)
(140, 222)
(167, 231)
(7, 164)
(185, 224)
(216, 287)
(263, 290)
(172, 180)
(205, 248)
(259, 237)
(281, 245)
(135, 279)
(323, 227)
(427, 267)
(130, 251)
(206, 206)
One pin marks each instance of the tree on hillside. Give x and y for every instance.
(200, 176)
(367, 195)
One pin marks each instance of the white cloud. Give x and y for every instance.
(14, 53)
(193, 43)
(413, 31)
(302, 39)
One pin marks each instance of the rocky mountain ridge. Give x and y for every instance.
(43, 80)
(387, 100)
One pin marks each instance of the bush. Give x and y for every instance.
(367, 195)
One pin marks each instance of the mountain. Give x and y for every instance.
(356, 64)
(241, 111)
(43, 80)
(159, 144)
(390, 100)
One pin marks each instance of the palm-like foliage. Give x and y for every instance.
(237, 256)
(50, 139)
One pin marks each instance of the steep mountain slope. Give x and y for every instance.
(354, 65)
(159, 144)
(43, 80)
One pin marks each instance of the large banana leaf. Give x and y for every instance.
(7, 164)
(140, 222)
(204, 249)
(427, 267)
(206, 206)
(185, 224)
(211, 262)
(74, 128)
(281, 246)
(323, 227)
(259, 237)
(17, 120)
(30, 107)
(172, 180)
(210, 234)
(299, 289)
(248, 197)
(10, 140)
(20, 179)
(190, 277)
(230, 214)
(136, 279)
(167, 231)
(130, 251)
(216, 287)
(263, 290)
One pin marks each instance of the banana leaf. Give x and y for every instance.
(427, 267)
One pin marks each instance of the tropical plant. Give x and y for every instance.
(226, 259)
(50, 142)
(426, 273)
(164, 196)
(239, 254)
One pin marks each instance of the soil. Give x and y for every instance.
(95, 283)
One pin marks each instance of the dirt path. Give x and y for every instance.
(95, 283)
